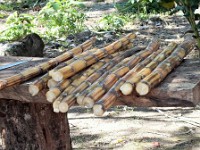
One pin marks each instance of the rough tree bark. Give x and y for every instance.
(31, 45)
(33, 126)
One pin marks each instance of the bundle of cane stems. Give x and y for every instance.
(84, 54)
(70, 93)
(84, 89)
(91, 70)
(115, 75)
(144, 86)
(74, 58)
(128, 87)
(34, 71)
(88, 60)
(130, 61)
(163, 69)
(53, 93)
(46, 79)
(111, 96)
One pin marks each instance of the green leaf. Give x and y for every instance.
(55, 6)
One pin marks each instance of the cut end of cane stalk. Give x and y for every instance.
(142, 88)
(57, 76)
(51, 73)
(63, 107)
(51, 83)
(126, 89)
(50, 96)
(33, 90)
(56, 106)
(98, 110)
(88, 102)
(80, 99)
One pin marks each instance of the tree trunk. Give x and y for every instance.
(33, 126)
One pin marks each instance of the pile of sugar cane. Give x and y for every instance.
(94, 77)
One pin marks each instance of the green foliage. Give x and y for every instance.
(17, 26)
(188, 7)
(112, 22)
(2, 15)
(57, 19)
(61, 17)
(6, 7)
(140, 6)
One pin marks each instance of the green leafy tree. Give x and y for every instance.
(18, 26)
(61, 17)
(188, 7)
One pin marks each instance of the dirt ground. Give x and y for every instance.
(132, 128)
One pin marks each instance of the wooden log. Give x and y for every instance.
(163, 69)
(34, 126)
(113, 77)
(128, 87)
(41, 68)
(86, 61)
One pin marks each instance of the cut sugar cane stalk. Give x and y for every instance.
(92, 78)
(38, 85)
(163, 69)
(53, 93)
(76, 82)
(111, 96)
(85, 75)
(34, 71)
(82, 63)
(85, 53)
(64, 107)
(69, 89)
(113, 77)
(138, 68)
(128, 87)
(51, 83)
(81, 96)
(41, 83)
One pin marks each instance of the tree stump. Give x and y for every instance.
(33, 126)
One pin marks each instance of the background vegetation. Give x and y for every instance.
(58, 18)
